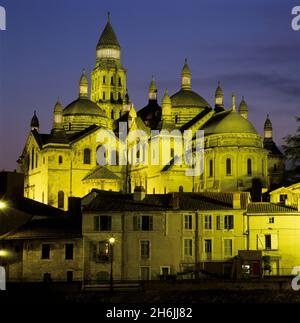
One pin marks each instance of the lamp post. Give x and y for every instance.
(2, 205)
(111, 252)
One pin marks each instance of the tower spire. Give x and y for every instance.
(153, 90)
(186, 76)
(268, 128)
(83, 85)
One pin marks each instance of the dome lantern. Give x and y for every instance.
(153, 90)
(83, 85)
(268, 129)
(219, 95)
(35, 124)
(58, 115)
(186, 76)
(243, 108)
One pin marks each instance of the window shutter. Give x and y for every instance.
(274, 241)
(96, 223)
(260, 241)
(150, 223)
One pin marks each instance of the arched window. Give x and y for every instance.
(111, 96)
(176, 119)
(120, 81)
(87, 156)
(70, 126)
(112, 114)
(180, 189)
(211, 168)
(103, 96)
(32, 158)
(275, 168)
(249, 167)
(103, 80)
(112, 80)
(101, 155)
(60, 160)
(228, 166)
(61, 200)
(172, 152)
(28, 162)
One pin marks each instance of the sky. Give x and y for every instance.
(248, 45)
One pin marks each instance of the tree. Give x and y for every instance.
(292, 153)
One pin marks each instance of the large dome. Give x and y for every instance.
(228, 122)
(83, 106)
(188, 98)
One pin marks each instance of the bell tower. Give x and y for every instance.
(108, 78)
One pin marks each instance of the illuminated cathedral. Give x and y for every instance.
(63, 163)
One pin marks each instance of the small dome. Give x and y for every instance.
(228, 122)
(83, 106)
(58, 106)
(166, 98)
(219, 91)
(108, 37)
(188, 98)
(35, 121)
(268, 124)
(243, 107)
(83, 78)
(186, 69)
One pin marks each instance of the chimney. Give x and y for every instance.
(236, 200)
(175, 202)
(74, 208)
(139, 193)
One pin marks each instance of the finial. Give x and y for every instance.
(58, 99)
(83, 71)
(267, 115)
(219, 83)
(185, 60)
(166, 92)
(34, 112)
(152, 77)
(108, 16)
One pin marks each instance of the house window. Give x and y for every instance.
(188, 222)
(227, 247)
(143, 223)
(219, 222)
(275, 168)
(211, 168)
(69, 251)
(145, 273)
(61, 200)
(228, 222)
(207, 245)
(271, 219)
(70, 126)
(103, 80)
(45, 251)
(249, 167)
(112, 80)
(103, 96)
(207, 222)
(102, 223)
(60, 160)
(47, 277)
(268, 241)
(228, 166)
(69, 276)
(87, 156)
(145, 249)
(188, 247)
(180, 189)
(103, 251)
(120, 82)
(283, 197)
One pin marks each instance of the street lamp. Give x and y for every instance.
(111, 251)
(2, 205)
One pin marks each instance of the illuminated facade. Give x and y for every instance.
(63, 163)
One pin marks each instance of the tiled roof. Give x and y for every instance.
(101, 172)
(270, 145)
(196, 119)
(265, 207)
(105, 201)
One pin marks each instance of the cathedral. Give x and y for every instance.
(63, 163)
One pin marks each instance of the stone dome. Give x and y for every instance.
(188, 98)
(228, 122)
(83, 106)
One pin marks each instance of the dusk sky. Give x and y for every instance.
(248, 45)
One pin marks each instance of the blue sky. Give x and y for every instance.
(248, 45)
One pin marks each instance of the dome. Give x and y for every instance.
(188, 98)
(219, 91)
(34, 121)
(228, 122)
(83, 106)
(108, 37)
(151, 114)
